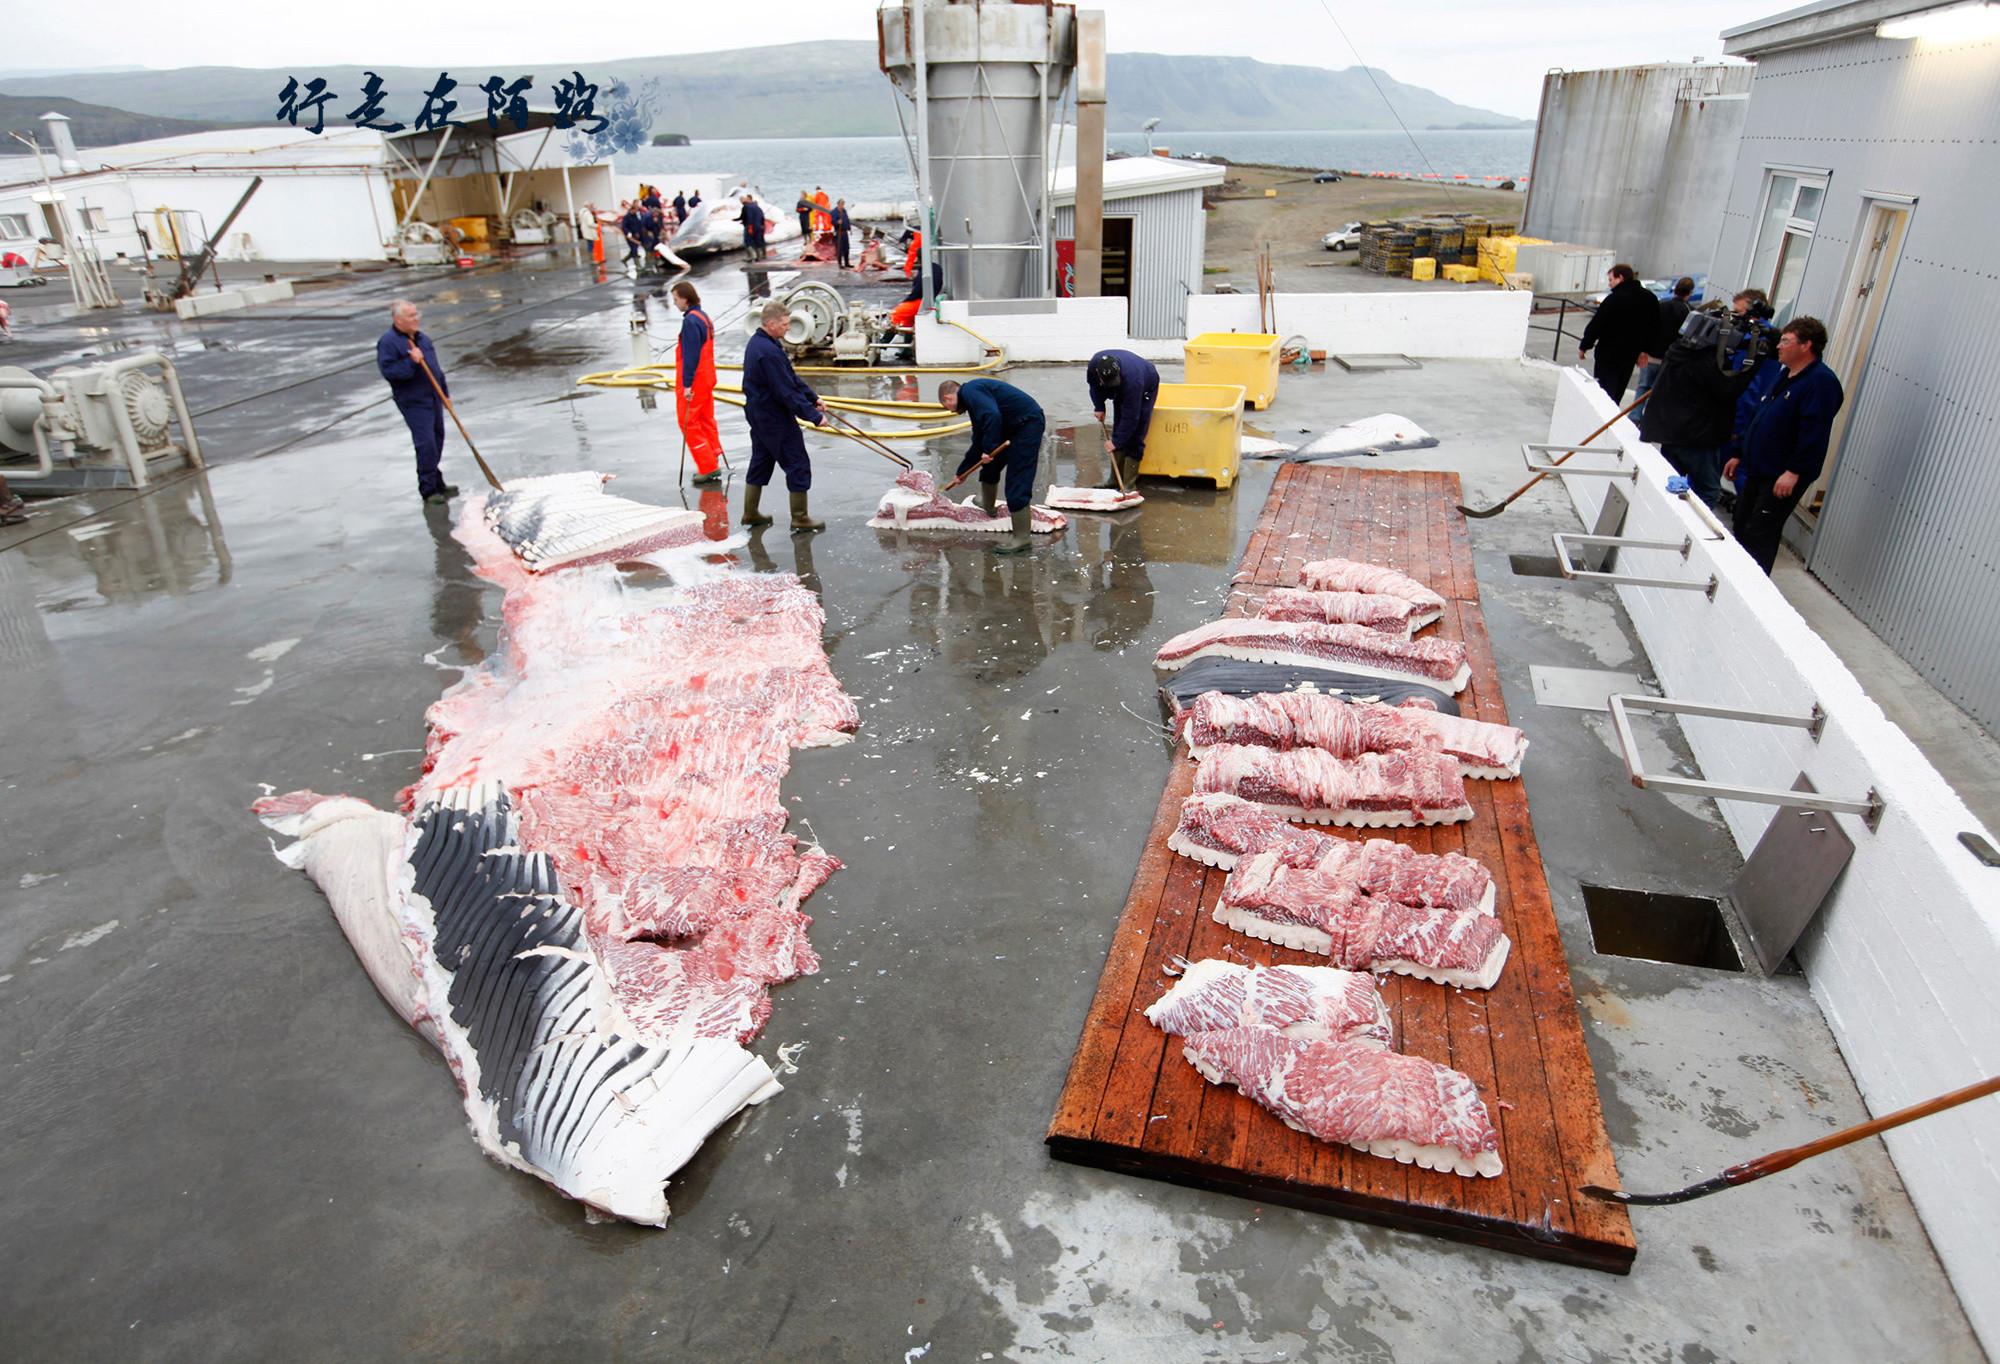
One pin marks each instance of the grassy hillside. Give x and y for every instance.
(92, 125)
(825, 89)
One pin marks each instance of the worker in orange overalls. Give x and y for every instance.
(694, 384)
(823, 219)
(915, 251)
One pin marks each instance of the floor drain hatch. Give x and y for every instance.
(1535, 565)
(1686, 930)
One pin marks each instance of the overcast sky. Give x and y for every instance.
(1478, 52)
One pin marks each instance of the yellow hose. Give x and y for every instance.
(661, 377)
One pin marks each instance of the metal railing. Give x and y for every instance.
(1560, 468)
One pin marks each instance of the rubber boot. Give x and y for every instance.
(1128, 465)
(989, 498)
(752, 495)
(1022, 540)
(801, 520)
(713, 476)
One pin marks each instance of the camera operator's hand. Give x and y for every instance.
(1729, 470)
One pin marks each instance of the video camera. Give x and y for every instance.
(1745, 340)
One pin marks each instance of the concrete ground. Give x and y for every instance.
(1291, 224)
(220, 1144)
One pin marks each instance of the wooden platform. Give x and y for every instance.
(1133, 1103)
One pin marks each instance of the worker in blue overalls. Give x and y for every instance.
(775, 401)
(1133, 384)
(1001, 413)
(396, 355)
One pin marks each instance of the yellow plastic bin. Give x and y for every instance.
(1196, 432)
(1246, 358)
(1424, 267)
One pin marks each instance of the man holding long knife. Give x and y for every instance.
(1007, 427)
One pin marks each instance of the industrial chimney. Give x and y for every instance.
(984, 77)
(65, 145)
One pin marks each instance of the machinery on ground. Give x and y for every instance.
(106, 425)
(825, 325)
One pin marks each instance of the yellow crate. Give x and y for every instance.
(1424, 267)
(1196, 432)
(1459, 274)
(1246, 358)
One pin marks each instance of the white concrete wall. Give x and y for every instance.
(1903, 957)
(1076, 330)
(1454, 322)
(1460, 324)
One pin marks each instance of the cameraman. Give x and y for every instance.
(1783, 448)
(1693, 404)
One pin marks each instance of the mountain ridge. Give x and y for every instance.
(827, 88)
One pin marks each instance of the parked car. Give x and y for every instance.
(1327, 178)
(1346, 239)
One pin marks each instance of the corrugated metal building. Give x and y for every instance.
(1866, 194)
(1154, 231)
(1638, 159)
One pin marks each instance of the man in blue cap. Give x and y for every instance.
(1131, 383)
(1001, 413)
(401, 354)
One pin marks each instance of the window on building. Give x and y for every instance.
(13, 227)
(95, 221)
(1792, 203)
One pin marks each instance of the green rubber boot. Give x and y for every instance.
(989, 498)
(801, 519)
(1129, 466)
(1022, 539)
(752, 495)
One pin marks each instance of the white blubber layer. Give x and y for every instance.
(1445, 1159)
(1367, 819)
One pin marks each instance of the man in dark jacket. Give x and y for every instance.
(1784, 446)
(633, 224)
(397, 354)
(775, 401)
(680, 207)
(1131, 383)
(842, 225)
(1000, 413)
(1625, 324)
(1693, 406)
(753, 228)
(1673, 311)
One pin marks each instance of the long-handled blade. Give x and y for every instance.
(862, 438)
(984, 460)
(1503, 504)
(438, 389)
(1116, 472)
(1784, 1160)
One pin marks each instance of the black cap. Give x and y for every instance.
(1104, 372)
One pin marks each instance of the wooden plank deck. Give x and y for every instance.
(1133, 1103)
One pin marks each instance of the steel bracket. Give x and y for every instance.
(1870, 807)
(1564, 539)
(1530, 448)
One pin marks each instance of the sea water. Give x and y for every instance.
(872, 169)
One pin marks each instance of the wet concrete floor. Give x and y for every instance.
(220, 1144)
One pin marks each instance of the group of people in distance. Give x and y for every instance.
(647, 221)
(1729, 396)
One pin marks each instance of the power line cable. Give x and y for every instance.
(1369, 72)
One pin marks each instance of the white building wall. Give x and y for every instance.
(1903, 955)
(1467, 323)
(1906, 541)
(1168, 234)
(323, 215)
